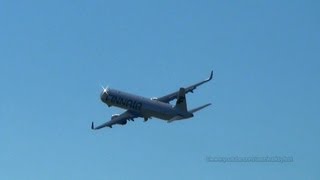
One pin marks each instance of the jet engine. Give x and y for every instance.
(123, 122)
(114, 116)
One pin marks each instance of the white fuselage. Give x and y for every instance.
(144, 107)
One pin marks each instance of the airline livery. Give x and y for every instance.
(137, 106)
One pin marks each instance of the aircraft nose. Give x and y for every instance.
(103, 96)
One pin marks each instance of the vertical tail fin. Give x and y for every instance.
(181, 100)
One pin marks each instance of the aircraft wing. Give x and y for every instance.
(118, 119)
(174, 95)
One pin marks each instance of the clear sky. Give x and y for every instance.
(55, 55)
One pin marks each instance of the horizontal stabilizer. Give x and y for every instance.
(199, 108)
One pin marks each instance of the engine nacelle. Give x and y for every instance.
(114, 116)
(154, 98)
(123, 122)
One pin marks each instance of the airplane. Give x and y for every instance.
(138, 106)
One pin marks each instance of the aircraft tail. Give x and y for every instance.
(199, 108)
(181, 100)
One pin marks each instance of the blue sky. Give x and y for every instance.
(55, 55)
